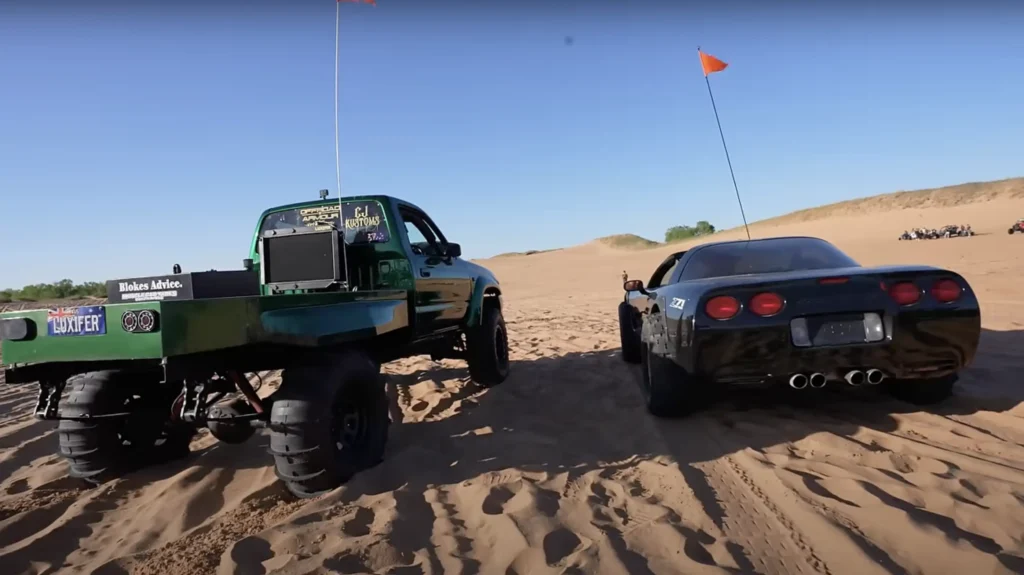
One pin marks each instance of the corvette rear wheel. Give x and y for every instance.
(923, 391)
(668, 390)
(628, 334)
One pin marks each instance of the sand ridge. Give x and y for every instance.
(560, 469)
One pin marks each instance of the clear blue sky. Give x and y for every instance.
(137, 135)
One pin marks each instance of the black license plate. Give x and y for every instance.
(836, 330)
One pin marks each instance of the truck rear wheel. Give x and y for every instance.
(487, 345)
(99, 450)
(328, 422)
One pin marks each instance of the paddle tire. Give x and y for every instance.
(669, 391)
(98, 450)
(328, 422)
(923, 391)
(628, 334)
(487, 347)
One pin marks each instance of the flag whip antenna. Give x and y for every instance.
(337, 144)
(337, 139)
(722, 135)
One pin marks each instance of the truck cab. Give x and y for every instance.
(371, 243)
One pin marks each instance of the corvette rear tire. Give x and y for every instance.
(631, 344)
(668, 390)
(923, 391)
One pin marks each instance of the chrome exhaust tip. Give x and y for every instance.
(818, 380)
(875, 376)
(798, 381)
(855, 377)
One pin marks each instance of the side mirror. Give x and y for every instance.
(454, 250)
(634, 285)
(247, 264)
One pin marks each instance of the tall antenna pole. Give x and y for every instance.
(337, 139)
(726, 148)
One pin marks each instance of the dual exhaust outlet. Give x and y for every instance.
(853, 377)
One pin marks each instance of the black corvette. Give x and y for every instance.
(794, 311)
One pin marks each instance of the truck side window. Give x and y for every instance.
(441, 241)
(421, 237)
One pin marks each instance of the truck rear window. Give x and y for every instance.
(365, 221)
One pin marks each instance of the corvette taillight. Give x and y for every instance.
(905, 293)
(946, 291)
(722, 307)
(766, 304)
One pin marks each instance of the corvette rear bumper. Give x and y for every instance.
(919, 346)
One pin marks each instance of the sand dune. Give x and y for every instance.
(560, 469)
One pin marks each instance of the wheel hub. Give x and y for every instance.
(501, 346)
(350, 428)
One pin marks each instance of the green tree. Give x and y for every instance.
(679, 233)
(63, 289)
(704, 228)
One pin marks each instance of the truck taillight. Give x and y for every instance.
(140, 321)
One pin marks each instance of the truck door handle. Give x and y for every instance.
(424, 274)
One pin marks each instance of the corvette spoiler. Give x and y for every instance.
(753, 280)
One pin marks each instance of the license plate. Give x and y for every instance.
(76, 321)
(837, 331)
(829, 330)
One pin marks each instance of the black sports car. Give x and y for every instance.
(794, 311)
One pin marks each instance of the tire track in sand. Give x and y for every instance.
(768, 536)
(753, 508)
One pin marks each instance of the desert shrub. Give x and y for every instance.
(679, 233)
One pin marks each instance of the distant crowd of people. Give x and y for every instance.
(951, 231)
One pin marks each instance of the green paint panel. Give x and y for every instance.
(206, 325)
(115, 344)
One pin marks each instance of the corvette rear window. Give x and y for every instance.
(764, 256)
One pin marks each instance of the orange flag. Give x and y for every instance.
(710, 63)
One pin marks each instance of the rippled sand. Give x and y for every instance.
(560, 469)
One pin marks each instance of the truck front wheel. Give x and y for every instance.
(102, 448)
(487, 345)
(328, 422)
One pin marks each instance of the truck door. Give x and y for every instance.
(443, 288)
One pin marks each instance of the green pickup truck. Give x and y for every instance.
(332, 289)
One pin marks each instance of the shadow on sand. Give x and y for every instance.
(555, 405)
(582, 412)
